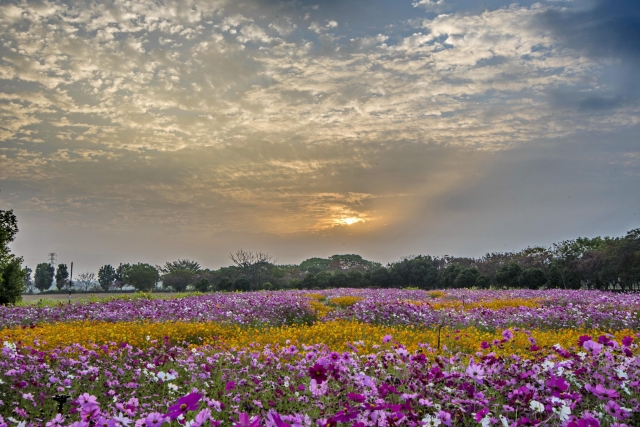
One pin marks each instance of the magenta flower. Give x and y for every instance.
(356, 397)
(275, 420)
(592, 346)
(484, 345)
(318, 373)
(480, 414)
(245, 421)
(557, 383)
(583, 339)
(231, 385)
(155, 419)
(585, 422)
(626, 341)
(190, 402)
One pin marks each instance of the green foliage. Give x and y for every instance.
(242, 284)
(315, 265)
(12, 275)
(296, 284)
(62, 276)
(448, 276)
(323, 280)
(419, 272)
(44, 276)
(106, 276)
(532, 278)
(466, 278)
(225, 284)
(309, 281)
(202, 285)
(143, 277)
(483, 282)
(509, 275)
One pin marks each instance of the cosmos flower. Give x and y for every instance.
(190, 402)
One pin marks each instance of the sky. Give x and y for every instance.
(147, 131)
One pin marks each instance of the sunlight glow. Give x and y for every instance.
(349, 221)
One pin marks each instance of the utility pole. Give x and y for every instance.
(70, 282)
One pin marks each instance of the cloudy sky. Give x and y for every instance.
(139, 130)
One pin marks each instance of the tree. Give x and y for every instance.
(225, 284)
(12, 275)
(242, 284)
(419, 272)
(448, 276)
(62, 276)
(309, 281)
(340, 280)
(85, 281)
(380, 278)
(29, 285)
(106, 276)
(180, 274)
(466, 278)
(355, 279)
(532, 278)
(252, 264)
(296, 284)
(203, 285)
(119, 281)
(509, 275)
(323, 280)
(143, 277)
(483, 282)
(44, 276)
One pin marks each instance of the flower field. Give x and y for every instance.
(344, 357)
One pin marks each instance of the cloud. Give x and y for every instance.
(228, 116)
(609, 32)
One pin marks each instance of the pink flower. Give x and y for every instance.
(245, 421)
(190, 402)
(155, 419)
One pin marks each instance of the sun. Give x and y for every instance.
(350, 220)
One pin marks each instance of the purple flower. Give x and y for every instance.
(231, 385)
(480, 414)
(245, 421)
(190, 402)
(476, 372)
(583, 339)
(485, 345)
(387, 338)
(626, 341)
(557, 383)
(356, 397)
(274, 419)
(155, 419)
(507, 334)
(318, 373)
(592, 346)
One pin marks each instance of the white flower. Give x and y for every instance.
(536, 406)
(505, 422)
(166, 377)
(431, 421)
(563, 412)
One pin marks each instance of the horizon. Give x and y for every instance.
(149, 131)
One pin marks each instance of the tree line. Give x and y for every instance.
(588, 263)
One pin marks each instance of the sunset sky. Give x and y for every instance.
(146, 131)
